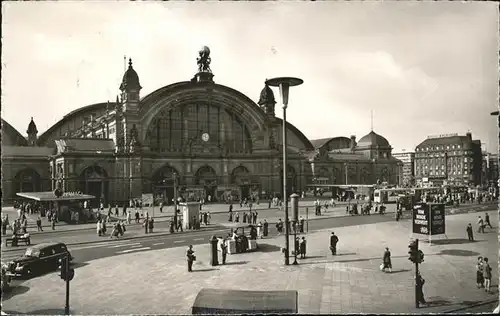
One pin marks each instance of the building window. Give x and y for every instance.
(465, 159)
(458, 146)
(465, 171)
(448, 147)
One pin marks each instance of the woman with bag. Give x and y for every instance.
(386, 261)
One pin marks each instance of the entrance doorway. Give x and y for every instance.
(164, 184)
(94, 181)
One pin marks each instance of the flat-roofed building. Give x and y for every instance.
(449, 159)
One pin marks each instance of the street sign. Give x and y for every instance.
(429, 219)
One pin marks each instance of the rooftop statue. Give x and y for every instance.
(204, 60)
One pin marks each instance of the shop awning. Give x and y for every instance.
(50, 196)
(217, 301)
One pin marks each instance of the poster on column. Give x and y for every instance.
(429, 219)
(437, 221)
(420, 221)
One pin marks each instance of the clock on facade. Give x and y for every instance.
(205, 137)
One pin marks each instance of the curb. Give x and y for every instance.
(205, 229)
(447, 211)
(472, 306)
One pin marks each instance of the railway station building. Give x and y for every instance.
(200, 136)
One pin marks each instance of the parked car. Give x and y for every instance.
(39, 259)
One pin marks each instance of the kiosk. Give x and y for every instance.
(189, 210)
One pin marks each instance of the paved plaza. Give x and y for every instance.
(158, 282)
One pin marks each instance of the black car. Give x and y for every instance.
(39, 259)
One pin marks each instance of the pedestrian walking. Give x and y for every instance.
(301, 224)
(117, 212)
(470, 232)
(128, 217)
(303, 248)
(386, 260)
(137, 216)
(223, 248)
(486, 275)
(487, 220)
(237, 217)
(39, 224)
(479, 273)
(24, 226)
(480, 225)
(54, 225)
(244, 217)
(190, 258)
(333, 243)
(265, 228)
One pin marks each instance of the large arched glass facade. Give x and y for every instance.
(177, 129)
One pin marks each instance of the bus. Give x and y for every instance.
(390, 195)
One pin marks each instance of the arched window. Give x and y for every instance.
(181, 129)
(240, 176)
(94, 181)
(206, 176)
(28, 180)
(164, 183)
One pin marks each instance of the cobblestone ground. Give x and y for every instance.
(157, 281)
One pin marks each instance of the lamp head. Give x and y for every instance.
(284, 84)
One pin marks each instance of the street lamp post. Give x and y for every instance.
(284, 84)
(174, 175)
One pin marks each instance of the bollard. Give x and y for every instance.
(214, 251)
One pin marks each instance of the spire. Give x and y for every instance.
(266, 100)
(130, 79)
(371, 128)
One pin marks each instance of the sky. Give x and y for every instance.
(421, 68)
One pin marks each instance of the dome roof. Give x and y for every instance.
(130, 79)
(32, 128)
(266, 96)
(373, 139)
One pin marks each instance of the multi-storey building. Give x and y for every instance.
(491, 170)
(449, 159)
(408, 167)
(200, 136)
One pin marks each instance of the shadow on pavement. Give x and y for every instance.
(313, 257)
(459, 253)
(77, 265)
(268, 248)
(205, 270)
(346, 254)
(453, 241)
(15, 290)
(235, 263)
(399, 271)
(470, 303)
(48, 311)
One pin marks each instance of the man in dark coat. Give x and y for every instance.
(470, 232)
(333, 243)
(190, 258)
(420, 289)
(303, 248)
(223, 248)
(265, 228)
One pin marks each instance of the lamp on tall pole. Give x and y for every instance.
(284, 84)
